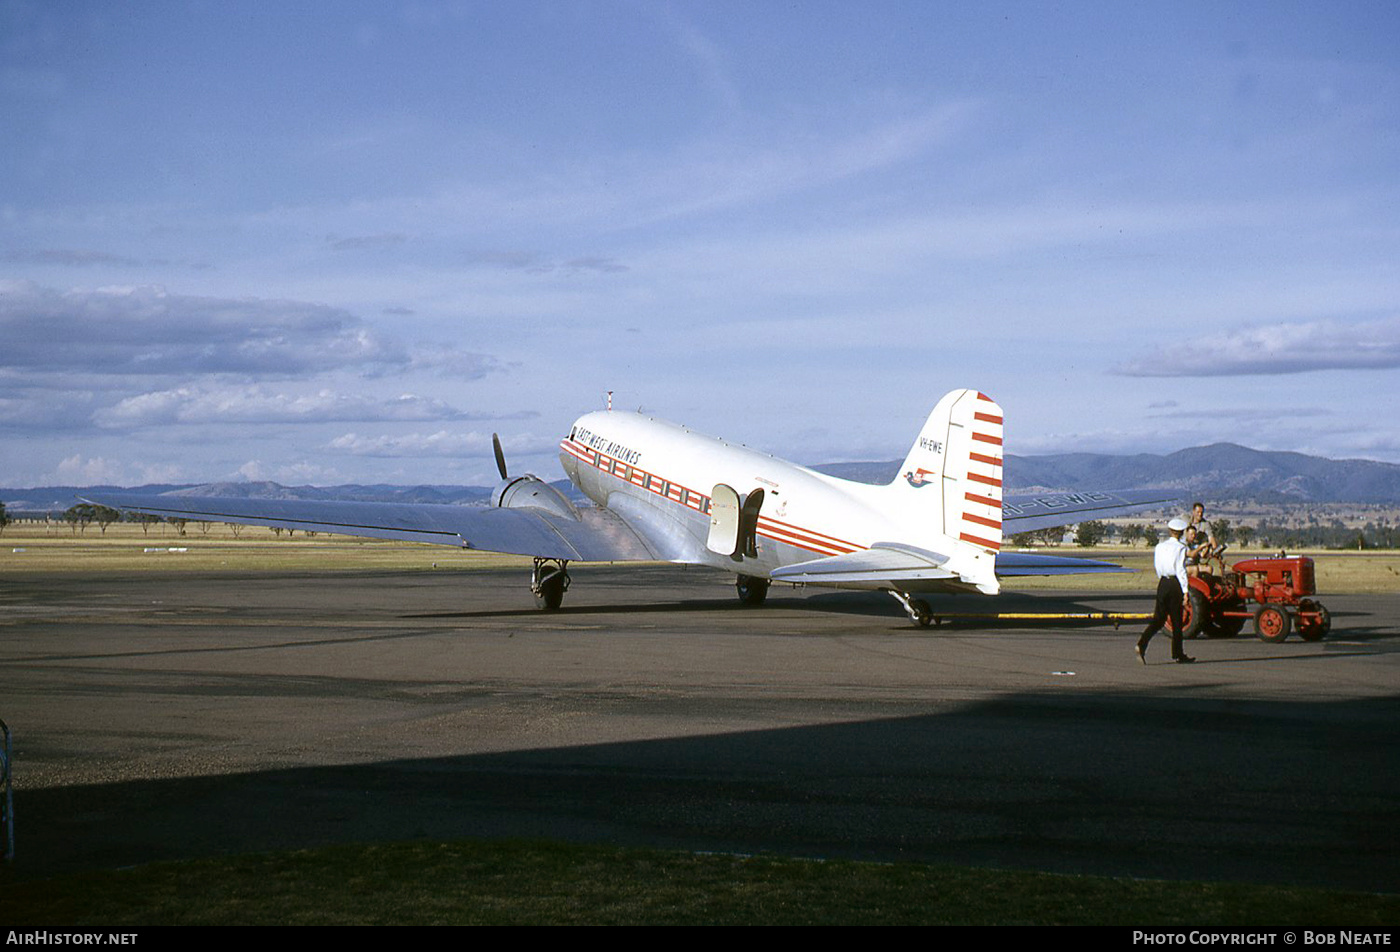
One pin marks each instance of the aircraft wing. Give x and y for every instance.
(1023, 513)
(597, 535)
(1027, 563)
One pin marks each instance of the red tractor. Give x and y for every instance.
(1281, 588)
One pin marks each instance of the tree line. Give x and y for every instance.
(1265, 535)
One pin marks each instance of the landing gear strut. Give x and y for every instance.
(917, 609)
(752, 590)
(549, 583)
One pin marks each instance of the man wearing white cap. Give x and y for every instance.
(1169, 559)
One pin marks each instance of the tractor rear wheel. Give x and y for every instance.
(1195, 614)
(1225, 626)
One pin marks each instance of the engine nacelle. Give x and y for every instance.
(531, 492)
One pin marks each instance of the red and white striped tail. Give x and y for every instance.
(952, 482)
(974, 508)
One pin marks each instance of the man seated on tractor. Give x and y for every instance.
(1201, 546)
(1198, 547)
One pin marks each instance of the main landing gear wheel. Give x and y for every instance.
(549, 583)
(752, 590)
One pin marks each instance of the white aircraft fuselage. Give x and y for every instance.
(944, 505)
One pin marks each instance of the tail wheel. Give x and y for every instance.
(1272, 624)
(752, 590)
(920, 612)
(1316, 623)
(1195, 614)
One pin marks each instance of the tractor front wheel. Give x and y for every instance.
(1271, 624)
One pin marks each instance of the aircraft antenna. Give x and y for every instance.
(609, 400)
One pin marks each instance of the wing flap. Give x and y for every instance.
(596, 536)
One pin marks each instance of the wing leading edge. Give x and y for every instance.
(597, 535)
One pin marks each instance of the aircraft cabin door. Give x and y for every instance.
(733, 523)
(724, 520)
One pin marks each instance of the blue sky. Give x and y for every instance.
(330, 242)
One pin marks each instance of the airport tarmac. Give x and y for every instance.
(175, 717)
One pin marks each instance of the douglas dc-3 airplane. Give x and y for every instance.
(663, 492)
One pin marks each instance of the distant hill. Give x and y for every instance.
(59, 498)
(1221, 471)
(378, 492)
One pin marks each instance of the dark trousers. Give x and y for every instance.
(1169, 599)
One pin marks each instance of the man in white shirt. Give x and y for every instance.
(1169, 559)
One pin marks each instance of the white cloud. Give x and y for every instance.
(441, 443)
(146, 330)
(193, 405)
(78, 470)
(1282, 348)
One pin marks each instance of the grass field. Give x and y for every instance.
(505, 883)
(124, 548)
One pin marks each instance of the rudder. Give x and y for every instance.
(951, 482)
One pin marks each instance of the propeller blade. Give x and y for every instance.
(500, 455)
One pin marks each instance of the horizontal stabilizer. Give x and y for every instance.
(882, 562)
(1026, 512)
(1026, 563)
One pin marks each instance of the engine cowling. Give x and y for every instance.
(531, 492)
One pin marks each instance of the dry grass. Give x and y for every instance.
(124, 548)
(509, 883)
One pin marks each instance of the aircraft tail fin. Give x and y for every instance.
(951, 483)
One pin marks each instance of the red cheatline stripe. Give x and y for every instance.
(809, 546)
(989, 523)
(983, 396)
(778, 524)
(989, 460)
(808, 539)
(986, 417)
(987, 438)
(804, 542)
(979, 478)
(985, 543)
(984, 500)
(805, 538)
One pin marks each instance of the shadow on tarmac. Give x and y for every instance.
(1095, 782)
